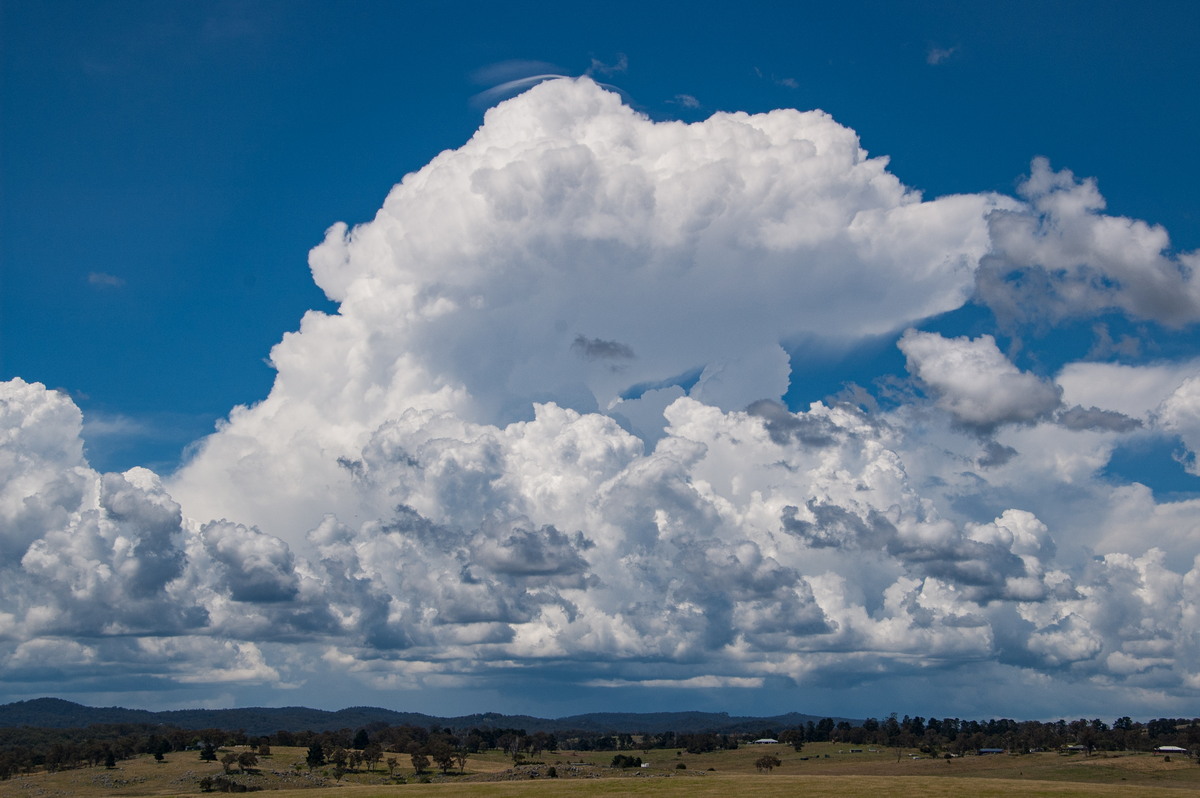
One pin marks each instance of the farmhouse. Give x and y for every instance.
(765, 741)
(1170, 749)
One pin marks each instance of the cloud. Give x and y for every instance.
(939, 55)
(598, 67)
(1132, 390)
(569, 214)
(544, 436)
(596, 349)
(975, 382)
(1061, 257)
(1093, 418)
(103, 280)
(686, 101)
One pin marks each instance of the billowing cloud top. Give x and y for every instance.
(544, 431)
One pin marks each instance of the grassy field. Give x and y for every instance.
(824, 769)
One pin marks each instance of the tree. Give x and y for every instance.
(793, 737)
(372, 754)
(419, 760)
(316, 756)
(767, 763)
(110, 761)
(208, 753)
(228, 761)
(361, 740)
(441, 753)
(247, 760)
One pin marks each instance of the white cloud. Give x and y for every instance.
(570, 217)
(543, 433)
(104, 280)
(1060, 256)
(975, 382)
(938, 55)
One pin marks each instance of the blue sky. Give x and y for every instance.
(167, 169)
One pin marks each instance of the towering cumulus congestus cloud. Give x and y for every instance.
(543, 433)
(573, 251)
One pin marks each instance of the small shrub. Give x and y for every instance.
(552, 773)
(222, 784)
(681, 765)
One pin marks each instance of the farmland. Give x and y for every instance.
(820, 769)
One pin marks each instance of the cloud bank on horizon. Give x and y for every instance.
(545, 433)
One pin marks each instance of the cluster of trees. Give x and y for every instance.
(692, 742)
(422, 748)
(953, 735)
(25, 749)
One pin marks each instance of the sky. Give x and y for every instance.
(546, 359)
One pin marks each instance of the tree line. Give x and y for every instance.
(952, 735)
(380, 745)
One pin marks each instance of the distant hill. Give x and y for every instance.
(56, 713)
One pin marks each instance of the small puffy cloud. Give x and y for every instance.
(1061, 256)
(939, 55)
(975, 382)
(104, 280)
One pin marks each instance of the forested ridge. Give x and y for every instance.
(57, 713)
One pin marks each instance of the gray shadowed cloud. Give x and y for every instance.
(598, 349)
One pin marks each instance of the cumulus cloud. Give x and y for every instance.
(1059, 256)
(545, 432)
(975, 382)
(570, 218)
